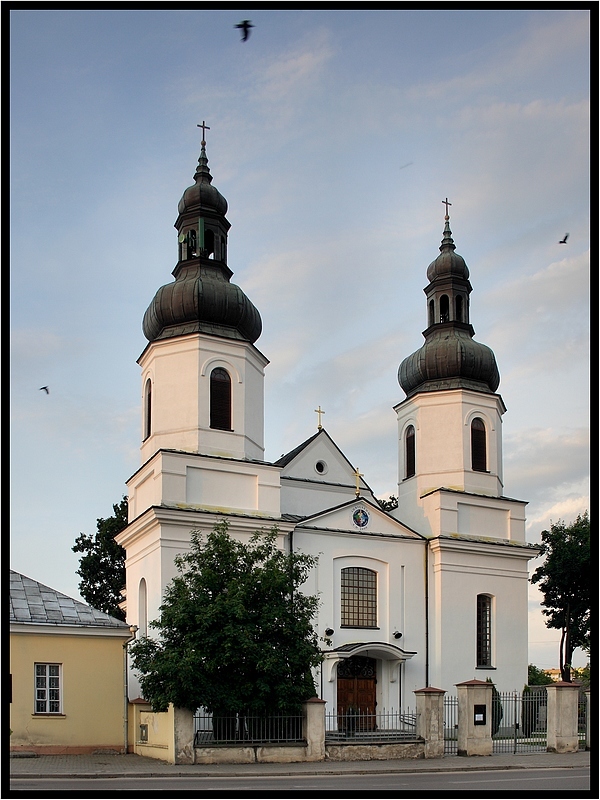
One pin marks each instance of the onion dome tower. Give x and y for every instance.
(202, 297)
(202, 377)
(450, 357)
(450, 422)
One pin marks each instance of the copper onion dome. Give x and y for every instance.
(202, 298)
(450, 358)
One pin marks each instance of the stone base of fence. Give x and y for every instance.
(252, 754)
(374, 752)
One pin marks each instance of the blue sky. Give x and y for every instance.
(334, 136)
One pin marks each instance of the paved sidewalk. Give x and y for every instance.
(110, 765)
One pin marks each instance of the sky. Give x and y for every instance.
(335, 135)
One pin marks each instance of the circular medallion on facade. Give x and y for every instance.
(360, 517)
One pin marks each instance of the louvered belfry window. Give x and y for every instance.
(478, 446)
(220, 399)
(410, 452)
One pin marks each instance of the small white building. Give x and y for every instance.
(430, 594)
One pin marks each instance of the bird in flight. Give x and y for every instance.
(245, 25)
(564, 241)
(45, 389)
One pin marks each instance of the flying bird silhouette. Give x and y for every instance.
(45, 389)
(564, 241)
(245, 26)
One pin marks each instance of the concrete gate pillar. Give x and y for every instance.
(474, 718)
(430, 720)
(183, 735)
(314, 729)
(562, 735)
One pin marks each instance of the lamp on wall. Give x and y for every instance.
(397, 635)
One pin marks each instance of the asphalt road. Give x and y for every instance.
(574, 782)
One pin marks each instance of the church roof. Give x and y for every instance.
(287, 457)
(32, 602)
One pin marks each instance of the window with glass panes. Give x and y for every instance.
(484, 630)
(359, 598)
(47, 689)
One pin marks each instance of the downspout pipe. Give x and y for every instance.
(133, 629)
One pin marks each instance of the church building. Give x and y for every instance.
(432, 593)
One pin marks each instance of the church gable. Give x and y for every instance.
(319, 460)
(358, 516)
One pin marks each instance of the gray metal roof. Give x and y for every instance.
(32, 602)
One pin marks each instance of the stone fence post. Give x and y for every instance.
(430, 720)
(314, 729)
(475, 718)
(183, 736)
(563, 699)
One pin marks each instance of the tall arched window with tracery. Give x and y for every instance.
(409, 452)
(359, 598)
(143, 608)
(220, 399)
(478, 445)
(484, 630)
(147, 408)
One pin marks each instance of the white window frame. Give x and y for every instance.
(48, 687)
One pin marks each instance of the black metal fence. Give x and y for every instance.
(519, 721)
(450, 725)
(353, 726)
(234, 728)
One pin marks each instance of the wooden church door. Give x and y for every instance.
(357, 692)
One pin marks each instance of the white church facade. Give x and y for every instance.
(432, 593)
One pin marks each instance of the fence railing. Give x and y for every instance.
(450, 725)
(519, 721)
(210, 729)
(353, 725)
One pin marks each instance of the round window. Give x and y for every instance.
(321, 467)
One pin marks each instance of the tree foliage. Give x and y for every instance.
(564, 580)
(388, 504)
(102, 567)
(537, 676)
(235, 634)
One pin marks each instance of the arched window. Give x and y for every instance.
(209, 243)
(192, 244)
(484, 630)
(444, 308)
(359, 598)
(143, 608)
(478, 446)
(220, 399)
(431, 312)
(459, 308)
(223, 250)
(147, 409)
(409, 449)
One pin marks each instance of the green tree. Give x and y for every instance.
(102, 567)
(235, 634)
(564, 580)
(537, 676)
(388, 505)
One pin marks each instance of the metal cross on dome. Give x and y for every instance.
(446, 203)
(204, 127)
